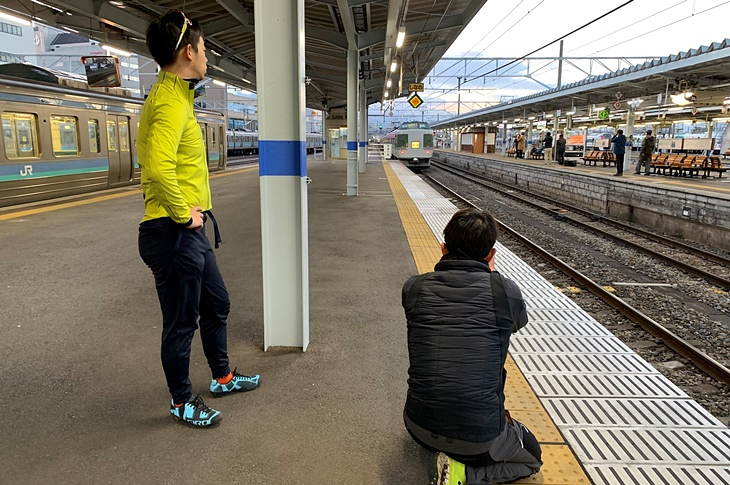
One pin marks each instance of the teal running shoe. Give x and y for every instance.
(196, 413)
(239, 383)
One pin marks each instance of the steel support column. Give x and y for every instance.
(283, 171)
(352, 67)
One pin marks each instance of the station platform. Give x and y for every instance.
(85, 400)
(714, 183)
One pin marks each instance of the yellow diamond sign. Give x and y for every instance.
(415, 101)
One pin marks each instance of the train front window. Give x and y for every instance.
(111, 135)
(94, 145)
(20, 135)
(401, 140)
(428, 140)
(123, 136)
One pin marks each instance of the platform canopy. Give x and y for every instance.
(332, 26)
(701, 76)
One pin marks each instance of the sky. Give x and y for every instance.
(514, 28)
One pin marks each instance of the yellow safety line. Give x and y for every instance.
(66, 205)
(560, 464)
(424, 245)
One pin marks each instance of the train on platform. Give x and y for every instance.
(412, 143)
(244, 143)
(61, 140)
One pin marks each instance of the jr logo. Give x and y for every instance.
(27, 170)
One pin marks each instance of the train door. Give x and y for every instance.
(204, 134)
(119, 148)
(214, 148)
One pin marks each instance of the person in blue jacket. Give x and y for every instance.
(619, 149)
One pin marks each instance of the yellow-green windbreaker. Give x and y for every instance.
(171, 152)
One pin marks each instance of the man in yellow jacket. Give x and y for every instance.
(172, 240)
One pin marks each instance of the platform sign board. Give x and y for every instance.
(670, 144)
(415, 101)
(415, 87)
(698, 143)
(604, 114)
(575, 143)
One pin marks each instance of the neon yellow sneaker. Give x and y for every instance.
(449, 471)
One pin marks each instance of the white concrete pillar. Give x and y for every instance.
(528, 139)
(352, 63)
(630, 116)
(325, 133)
(283, 171)
(362, 150)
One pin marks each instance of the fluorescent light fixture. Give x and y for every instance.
(683, 121)
(389, 83)
(116, 51)
(393, 66)
(246, 80)
(401, 36)
(599, 108)
(17, 20)
(385, 94)
(531, 118)
(727, 101)
(214, 52)
(721, 120)
(517, 119)
(219, 83)
(570, 112)
(218, 68)
(548, 116)
(71, 30)
(116, 4)
(675, 109)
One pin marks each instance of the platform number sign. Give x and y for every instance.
(603, 114)
(415, 101)
(694, 110)
(617, 105)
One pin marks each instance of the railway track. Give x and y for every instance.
(551, 206)
(701, 360)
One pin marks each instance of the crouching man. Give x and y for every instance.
(460, 319)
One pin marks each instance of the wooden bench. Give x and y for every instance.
(713, 164)
(609, 158)
(659, 162)
(537, 156)
(726, 154)
(592, 157)
(674, 161)
(511, 152)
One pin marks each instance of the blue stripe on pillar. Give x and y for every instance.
(363, 143)
(324, 142)
(352, 145)
(280, 157)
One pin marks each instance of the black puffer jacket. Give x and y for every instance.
(460, 318)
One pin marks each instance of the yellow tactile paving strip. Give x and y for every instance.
(560, 466)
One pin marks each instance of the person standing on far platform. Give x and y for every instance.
(520, 146)
(647, 148)
(172, 240)
(560, 149)
(547, 143)
(619, 149)
(460, 318)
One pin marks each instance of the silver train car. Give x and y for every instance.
(60, 141)
(412, 143)
(241, 142)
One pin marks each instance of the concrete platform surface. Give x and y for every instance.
(83, 394)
